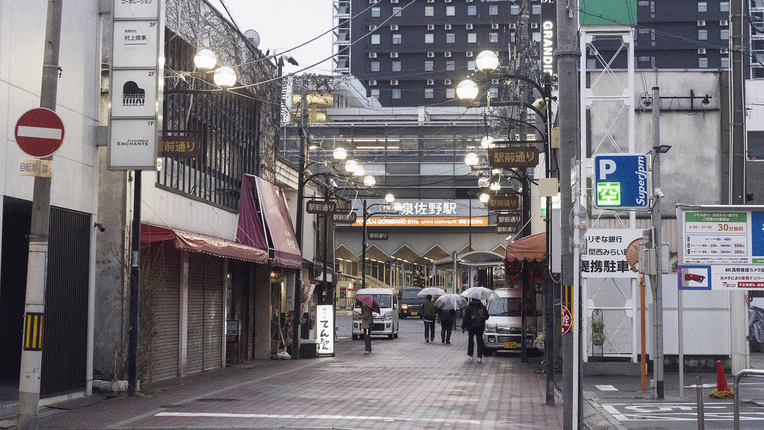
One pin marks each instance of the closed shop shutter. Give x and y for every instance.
(165, 309)
(196, 306)
(213, 314)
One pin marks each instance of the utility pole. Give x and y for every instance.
(567, 55)
(656, 281)
(37, 268)
(299, 219)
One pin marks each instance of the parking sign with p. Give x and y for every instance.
(620, 181)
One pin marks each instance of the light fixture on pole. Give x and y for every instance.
(488, 142)
(359, 171)
(224, 77)
(487, 61)
(471, 159)
(369, 181)
(351, 166)
(467, 90)
(484, 198)
(340, 153)
(389, 199)
(205, 60)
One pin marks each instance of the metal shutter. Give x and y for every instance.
(213, 313)
(195, 312)
(160, 293)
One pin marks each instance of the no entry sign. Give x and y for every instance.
(39, 132)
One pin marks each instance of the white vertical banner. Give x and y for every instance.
(136, 84)
(325, 329)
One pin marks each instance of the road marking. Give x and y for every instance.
(39, 132)
(606, 388)
(675, 412)
(311, 417)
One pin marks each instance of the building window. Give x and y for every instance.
(703, 34)
(493, 37)
(429, 93)
(450, 65)
(536, 36)
(375, 66)
(471, 10)
(375, 39)
(536, 9)
(396, 39)
(470, 65)
(374, 93)
(429, 11)
(725, 62)
(494, 92)
(724, 34)
(471, 37)
(703, 62)
(450, 93)
(450, 38)
(397, 12)
(429, 38)
(702, 6)
(494, 9)
(513, 10)
(396, 93)
(429, 66)
(450, 10)
(396, 66)
(724, 6)
(375, 12)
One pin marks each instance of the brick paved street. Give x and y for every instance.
(406, 383)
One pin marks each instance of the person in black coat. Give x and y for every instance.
(447, 318)
(475, 316)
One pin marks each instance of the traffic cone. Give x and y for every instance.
(722, 391)
(721, 380)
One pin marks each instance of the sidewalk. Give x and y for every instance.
(404, 384)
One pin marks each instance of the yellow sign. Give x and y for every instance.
(33, 331)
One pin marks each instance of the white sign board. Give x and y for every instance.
(723, 247)
(133, 93)
(325, 329)
(135, 44)
(605, 255)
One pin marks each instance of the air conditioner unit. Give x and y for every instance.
(430, 1)
(431, 26)
(724, 22)
(393, 1)
(372, 55)
(512, 26)
(430, 82)
(701, 23)
(724, 51)
(469, 53)
(372, 27)
(394, 27)
(702, 51)
(534, 25)
(448, 81)
(373, 82)
(447, 54)
(447, 26)
(430, 55)
(469, 26)
(495, 26)
(393, 55)
(393, 82)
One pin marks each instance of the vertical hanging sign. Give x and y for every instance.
(136, 84)
(548, 36)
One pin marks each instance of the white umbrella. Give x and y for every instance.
(451, 301)
(480, 293)
(431, 291)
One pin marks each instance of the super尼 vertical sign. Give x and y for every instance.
(621, 181)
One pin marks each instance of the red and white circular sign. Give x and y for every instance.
(565, 319)
(39, 132)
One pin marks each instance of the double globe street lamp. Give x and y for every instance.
(389, 200)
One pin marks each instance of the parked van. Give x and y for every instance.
(503, 329)
(386, 321)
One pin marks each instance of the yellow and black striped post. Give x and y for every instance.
(33, 331)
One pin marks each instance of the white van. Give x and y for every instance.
(503, 329)
(385, 322)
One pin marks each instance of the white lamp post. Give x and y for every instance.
(484, 198)
(340, 153)
(471, 159)
(351, 166)
(487, 61)
(225, 77)
(488, 142)
(205, 60)
(467, 90)
(369, 181)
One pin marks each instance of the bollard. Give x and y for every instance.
(699, 394)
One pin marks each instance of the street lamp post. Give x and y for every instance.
(389, 199)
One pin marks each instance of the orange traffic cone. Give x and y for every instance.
(722, 391)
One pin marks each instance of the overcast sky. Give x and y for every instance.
(284, 24)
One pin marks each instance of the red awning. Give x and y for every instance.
(195, 242)
(531, 248)
(283, 240)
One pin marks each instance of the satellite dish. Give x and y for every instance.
(253, 37)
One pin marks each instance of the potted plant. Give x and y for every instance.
(598, 334)
(598, 338)
(597, 325)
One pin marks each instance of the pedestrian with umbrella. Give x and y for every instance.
(429, 313)
(367, 319)
(474, 321)
(447, 305)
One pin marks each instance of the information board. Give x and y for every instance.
(722, 247)
(605, 255)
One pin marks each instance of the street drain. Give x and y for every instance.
(170, 406)
(216, 400)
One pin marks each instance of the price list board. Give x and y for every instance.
(722, 247)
